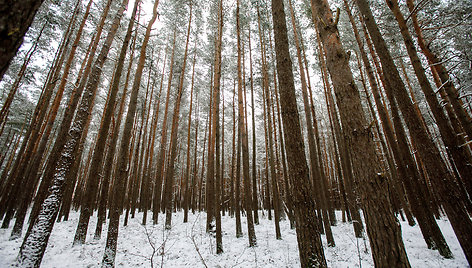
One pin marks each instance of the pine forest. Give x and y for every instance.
(236, 133)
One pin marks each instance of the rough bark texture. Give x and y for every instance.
(309, 240)
(382, 226)
(15, 19)
(99, 149)
(436, 169)
(35, 242)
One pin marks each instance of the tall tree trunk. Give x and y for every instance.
(309, 240)
(169, 178)
(255, 205)
(233, 154)
(382, 227)
(123, 155)
(345, 154)
(242, 122)
(156, 206)
(35, 242)
(189, 123)
(429, 153)
(86, 208)
(146, 193)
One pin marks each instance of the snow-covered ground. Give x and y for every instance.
(187, 245)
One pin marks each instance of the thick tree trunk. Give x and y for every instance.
(428, 152)
(309, 240)
(382, 227)
(15, 19)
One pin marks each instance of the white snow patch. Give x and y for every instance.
(179, 249)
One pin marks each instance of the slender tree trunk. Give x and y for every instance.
(169, 182)
(233, 154)
(98, 152)
(189, 123)
(123, 155)
(242, 122)
(35, 242)
(255, 205)
(193, 190)
(162, 152)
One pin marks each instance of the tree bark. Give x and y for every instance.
(35, 242)
(429, 153)
(309, 240)
(15, 19)
(382, 227)
(123, 155)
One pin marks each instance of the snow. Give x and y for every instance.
(185, 242)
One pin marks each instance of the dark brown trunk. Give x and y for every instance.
(382, 226)
(91, 189)
(15, 19)
(309, 240)
(123, 155)
(429, 153)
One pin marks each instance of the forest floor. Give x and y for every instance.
(187, 245)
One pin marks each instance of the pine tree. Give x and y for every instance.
(309, 241)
